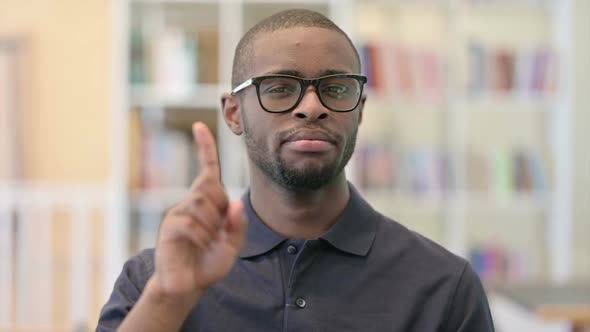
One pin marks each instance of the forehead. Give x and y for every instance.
(309, 51)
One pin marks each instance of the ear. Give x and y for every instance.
(230, 106)
(362, 107)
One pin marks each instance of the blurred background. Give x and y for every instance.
(476, 134)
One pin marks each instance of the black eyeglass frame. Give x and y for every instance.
(304, 84)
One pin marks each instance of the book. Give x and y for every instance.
(537, 172)
(523, 181)
(376, 166)
(497, 263)
(403, 72)
(165, 154)
(478, 172)
(503, 72)
(477, 69)
(503, 172)
(208, 56)
(525, 73)
(429, 75)
(137, 57)
(404, 78)
(173, 66)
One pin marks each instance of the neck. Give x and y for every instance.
(298, 215)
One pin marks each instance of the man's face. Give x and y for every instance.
(307, 148)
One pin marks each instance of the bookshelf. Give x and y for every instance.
(491, 66)
(438, 150)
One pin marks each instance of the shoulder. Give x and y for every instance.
(146, 260)
(396, 245)
(414, 250)
(127, 289)
(138, 269)
(421, 266)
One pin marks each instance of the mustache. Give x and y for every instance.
(282, 136)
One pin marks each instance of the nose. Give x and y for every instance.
(310, 108)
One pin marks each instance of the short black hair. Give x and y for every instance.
(290, 18)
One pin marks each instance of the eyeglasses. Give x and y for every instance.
(282, 93)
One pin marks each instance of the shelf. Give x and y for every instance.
(176, 1)
(430, 201)
(284, 2)
(256, 10)
(470, 200)
(157, 199)
(505, 103)
(389, 101)
(471, 5)
(437, 4)
(163, 198)
(201, 96)
(505, 6)
(514, 202)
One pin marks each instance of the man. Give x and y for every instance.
(315, 256)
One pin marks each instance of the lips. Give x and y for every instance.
(309, 141)
(310, 135)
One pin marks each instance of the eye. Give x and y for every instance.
(337, 88)
(335, 91)
(279, 89)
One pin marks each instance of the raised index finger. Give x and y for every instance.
(208, 160)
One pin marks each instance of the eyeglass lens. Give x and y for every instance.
(282, 93)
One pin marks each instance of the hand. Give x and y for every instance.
(201, 237)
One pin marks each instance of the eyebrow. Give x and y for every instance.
(299, 74)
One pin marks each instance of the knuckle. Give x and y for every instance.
(180, 208)
(224, 201)
(198, 200)
(172, 211)
(198, 182)
(220, 198)
(208, 180)
(187, 223)
(210, 190)
(211, 163)
(176, 213)
(204, 181)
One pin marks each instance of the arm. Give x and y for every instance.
(156, 311)
(135, 297)
(469, 309)
(126, 291)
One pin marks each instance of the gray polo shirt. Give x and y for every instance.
(367, 273)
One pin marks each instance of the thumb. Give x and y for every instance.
(236, 225)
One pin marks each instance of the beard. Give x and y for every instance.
(294, 179)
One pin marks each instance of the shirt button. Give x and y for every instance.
(300, 302)
(291, 249)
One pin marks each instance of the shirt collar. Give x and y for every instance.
(259, 238)
(353, 232)
(355, 229)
